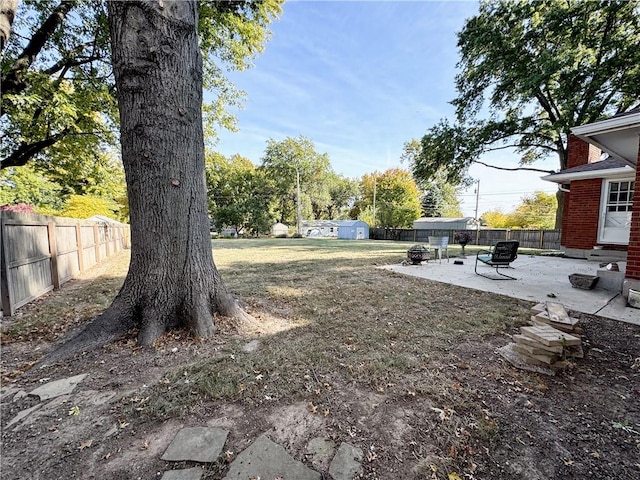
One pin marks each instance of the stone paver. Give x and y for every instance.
(23, 414)
(184, 474)
(56, 388)
(268, 460)
(252, 346)
(6, 391)
(321, 451)
(346, 464)
(197, 444)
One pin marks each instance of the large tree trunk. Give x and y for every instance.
(172, 279)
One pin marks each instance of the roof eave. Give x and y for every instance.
(621, 172)
(601, 128)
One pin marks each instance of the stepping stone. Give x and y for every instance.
(59, 387)
(321, 450)
(347, 462)
(252, 346)
(23, 414)
(184, 474)
(196, 444)
(267, 460)
(6, 391)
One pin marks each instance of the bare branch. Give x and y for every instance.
(13, 82)
(514, 169)
(27, 150)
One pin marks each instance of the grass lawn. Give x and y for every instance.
(401, 367)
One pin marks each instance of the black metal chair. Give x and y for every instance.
(501, 256)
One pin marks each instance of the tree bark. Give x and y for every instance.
(172, 279)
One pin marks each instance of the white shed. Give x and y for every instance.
(279, 230)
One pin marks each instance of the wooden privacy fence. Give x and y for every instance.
(40, 253)
(541, 239)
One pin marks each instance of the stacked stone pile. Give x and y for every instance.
(549, 343)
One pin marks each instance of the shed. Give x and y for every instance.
(353, 229)
(279, 230)
(444, 223)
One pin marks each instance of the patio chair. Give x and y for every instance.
(439, 244)
(501, 256)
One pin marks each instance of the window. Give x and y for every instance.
(620, 196)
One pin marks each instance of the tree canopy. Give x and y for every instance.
(240, 196)
(58, 104)
(324, 193)
(537, 211)
(397, 199)
(529, 72)
(439, 196)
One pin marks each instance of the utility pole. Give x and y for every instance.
(298, 211)
(375, 178)
(476, 214)
(477, 198)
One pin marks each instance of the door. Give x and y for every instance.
(615, 211)
(360, 233)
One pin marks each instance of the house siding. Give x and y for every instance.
(633, 255)
(580, 218)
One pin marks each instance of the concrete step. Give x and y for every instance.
(606, 256)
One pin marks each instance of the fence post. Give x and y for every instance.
(5, 277)
(80, 249)
(55, 276)
(96, 241)
(541, 239)
(107, 241)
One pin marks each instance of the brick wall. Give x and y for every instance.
(580, 152)
(633, 252)
(580, 218)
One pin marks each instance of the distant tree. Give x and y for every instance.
(439, 194)
(342, 195)
(397, 198)
(495, 219)
(528, 73)
(26, 185)
(240, 196)
(85, 206)
(535, 211)
(282, 162)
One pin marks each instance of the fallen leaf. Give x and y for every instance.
(107, 456)
(569, 462)
(454, 476)
(312, 408)
(85, 444)
(144, 445)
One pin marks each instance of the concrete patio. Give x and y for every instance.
(538, 279)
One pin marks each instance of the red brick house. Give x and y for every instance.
(602, 201)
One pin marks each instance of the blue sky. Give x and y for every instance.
(360, 78)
